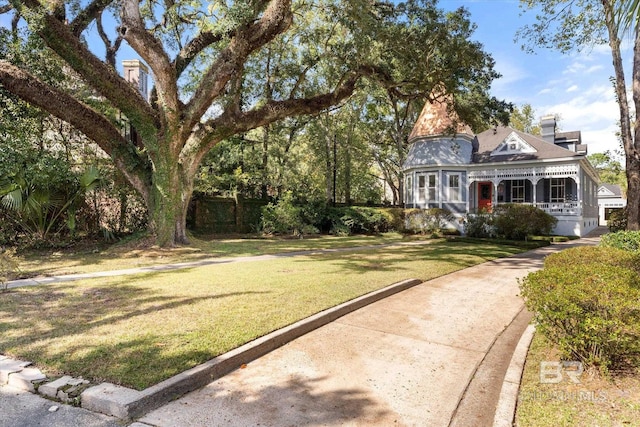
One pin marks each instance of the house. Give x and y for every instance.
(450, 167)
(610, 199)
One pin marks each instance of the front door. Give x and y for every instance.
(485, 195)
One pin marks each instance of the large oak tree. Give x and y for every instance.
(202, 56)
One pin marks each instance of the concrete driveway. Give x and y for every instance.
(406, 360)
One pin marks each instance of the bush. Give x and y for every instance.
(285, 218)
(358, 220)
(625, 240)
(427, 221)
(588, 304)
(517, 221)
(617, 220)
(479, 224)
(586, 255)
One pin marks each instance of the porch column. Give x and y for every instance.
(535, 191)
(441, 187)
(469, 189)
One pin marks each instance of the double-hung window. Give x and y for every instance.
(427, 188)
(454, 187)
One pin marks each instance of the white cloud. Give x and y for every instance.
(594, 112)
(572, 88)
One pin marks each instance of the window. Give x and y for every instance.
(409, 190)
(433, 191)
(517, 191)
(454, 187)
(422, 180)
(557, 190)
(427, 188)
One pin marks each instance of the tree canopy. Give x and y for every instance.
(208, 60)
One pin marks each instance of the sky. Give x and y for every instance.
(576, 87)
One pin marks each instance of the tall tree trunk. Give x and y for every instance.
(630, 148)
(170, 196)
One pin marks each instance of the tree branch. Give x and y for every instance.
(88, 14)
(152, 51)
(95, 72)
(276, 18)
(88, 121)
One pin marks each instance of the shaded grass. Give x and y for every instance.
(596, 401)
(140, 253)
(138, 330)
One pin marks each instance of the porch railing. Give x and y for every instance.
(559, 208)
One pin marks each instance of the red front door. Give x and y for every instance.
(485, 195)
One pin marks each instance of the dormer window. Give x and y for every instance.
(513, 144)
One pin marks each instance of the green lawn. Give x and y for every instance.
(139, 330)
(89, 258)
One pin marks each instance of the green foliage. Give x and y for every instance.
(510, 221)
(587, 303)
(626, 240)
(524, 119)
(617, 220)
(284, 217)
(427, 221)
(517, 221)
(609, 168)
(358, 220)
(585, 255)
(479, 224)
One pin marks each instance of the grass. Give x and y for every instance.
(138, 330)
(595, 401)
(126, 254)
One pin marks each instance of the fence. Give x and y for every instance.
(225, 215)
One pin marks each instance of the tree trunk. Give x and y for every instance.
(170, 196)
(630, 149)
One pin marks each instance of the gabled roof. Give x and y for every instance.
(489, 140)
(609, 190)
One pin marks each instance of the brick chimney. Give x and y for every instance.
(137, 73)
(548, 125)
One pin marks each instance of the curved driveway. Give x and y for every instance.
(407, 360)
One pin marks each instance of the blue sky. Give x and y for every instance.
(576, 86)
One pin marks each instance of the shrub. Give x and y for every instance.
(586, 255)
(517, 221)
(617, 220)
(285, 218)
(479, 224)
(355, 220)
(590, 310)
(626, 240)
(427, 221)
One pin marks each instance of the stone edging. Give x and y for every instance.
(127, 404)
(507, 403)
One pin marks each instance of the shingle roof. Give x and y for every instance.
(615, 189)
(488, 140)
(437, 119)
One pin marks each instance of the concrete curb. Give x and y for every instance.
(506, 407)
(129, 404)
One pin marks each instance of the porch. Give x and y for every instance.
(557, 190)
